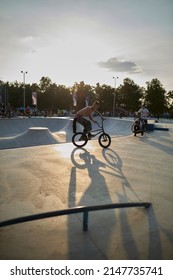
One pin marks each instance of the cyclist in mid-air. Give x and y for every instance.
(80, 118)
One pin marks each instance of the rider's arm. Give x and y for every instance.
(139, 113)
(99, 114)
(91, 118)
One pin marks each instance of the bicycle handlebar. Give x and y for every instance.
(102, 120)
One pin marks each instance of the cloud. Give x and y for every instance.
(116, 65)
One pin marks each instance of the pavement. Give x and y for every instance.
(42, 171)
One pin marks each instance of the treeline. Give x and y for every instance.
(128, 96)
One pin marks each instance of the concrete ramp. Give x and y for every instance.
(27, 132)
(15, 126)
(34, 136)
(19, 132)
(65, 134)
(118, 127)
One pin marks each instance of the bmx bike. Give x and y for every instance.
(138, 126)
(80, 139)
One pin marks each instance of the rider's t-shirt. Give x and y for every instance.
(144, 113)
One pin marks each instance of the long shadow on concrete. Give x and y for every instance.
(96, 243)
(95, 193)
(154, 243)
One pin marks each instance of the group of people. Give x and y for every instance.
(88, 111)
(6, 111)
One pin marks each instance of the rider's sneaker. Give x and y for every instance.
(90, 136)
(82, 138)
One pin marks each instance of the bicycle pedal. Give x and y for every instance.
(90, 137)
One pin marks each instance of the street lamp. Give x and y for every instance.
(24, 73)
(114, 96)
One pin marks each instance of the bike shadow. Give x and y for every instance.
(154, 249)
(101, 240)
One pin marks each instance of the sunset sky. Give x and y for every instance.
(87, 40)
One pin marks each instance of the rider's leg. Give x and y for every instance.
(74, 125)
(86, 124)
(145, 124)
(87, 129)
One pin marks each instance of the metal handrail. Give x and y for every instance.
(74, 210)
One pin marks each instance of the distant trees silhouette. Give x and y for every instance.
(128, 96)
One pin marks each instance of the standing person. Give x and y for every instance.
(9, 110)
(80, 118)
(28, 112)
(144, 114)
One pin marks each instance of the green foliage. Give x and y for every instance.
(128, 96)
(83, 92)
(155, 97)
(104, 94)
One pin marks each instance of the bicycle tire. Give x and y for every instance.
(80, 157)
(104, 140)
(134, 128)
(76, 139)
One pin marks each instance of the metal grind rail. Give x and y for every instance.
(80, 209)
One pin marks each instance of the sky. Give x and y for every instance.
(87, 40)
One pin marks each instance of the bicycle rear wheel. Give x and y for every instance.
(104, 140)
(79, 139)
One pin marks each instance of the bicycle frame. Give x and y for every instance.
(99, 130)
(80, 139)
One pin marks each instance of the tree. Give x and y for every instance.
(51, 96)
(169, 98)
(62, 97)
(128, 95)
(45, 84)
(155, 97)
(15, 94)
(3, 93)
(84, 93)
(104, 94)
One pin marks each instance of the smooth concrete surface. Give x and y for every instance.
(25, 132)
(48, 177)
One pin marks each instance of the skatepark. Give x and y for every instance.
(42, 171)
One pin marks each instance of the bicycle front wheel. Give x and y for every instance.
(104, 140)
(79, 139)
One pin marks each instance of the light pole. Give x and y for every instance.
(24, 73)
(114, 95)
